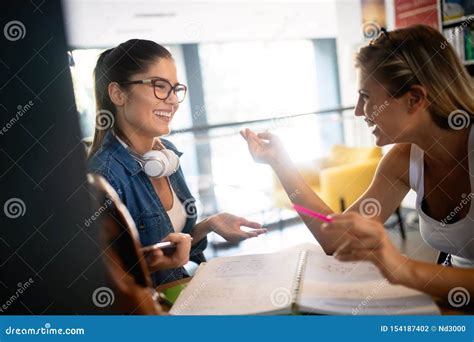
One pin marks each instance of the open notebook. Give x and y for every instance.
(304, 281)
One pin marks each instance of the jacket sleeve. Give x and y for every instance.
(101, 167)
(197, 251)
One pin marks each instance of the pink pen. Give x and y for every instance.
(311, 213)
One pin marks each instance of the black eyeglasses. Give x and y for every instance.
(162, 88)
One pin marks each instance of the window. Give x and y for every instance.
(245, 81)
(257, 80)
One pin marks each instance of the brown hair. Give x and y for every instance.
(420, 55)
(119, 65)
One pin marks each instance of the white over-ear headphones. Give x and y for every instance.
(155, 163)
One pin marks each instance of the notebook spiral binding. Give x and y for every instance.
(298, 279)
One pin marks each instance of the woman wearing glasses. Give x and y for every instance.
(137, 94)
(428, 105)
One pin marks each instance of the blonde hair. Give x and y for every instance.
(420, 55)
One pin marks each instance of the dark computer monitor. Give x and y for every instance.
(50, 260)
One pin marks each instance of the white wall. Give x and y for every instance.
(105, 23)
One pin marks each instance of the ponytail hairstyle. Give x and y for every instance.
(119, 65)
(421, 55)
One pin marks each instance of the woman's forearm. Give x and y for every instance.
(301, 193)
(200, 231)
(438, 280)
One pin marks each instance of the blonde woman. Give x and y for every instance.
(428, 114)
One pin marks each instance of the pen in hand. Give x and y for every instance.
(308, 212)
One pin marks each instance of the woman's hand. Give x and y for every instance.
(156, 260)
(361, 238)
(228, 226)
(265, 148)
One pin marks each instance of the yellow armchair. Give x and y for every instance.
(339, 179)
(343, 185)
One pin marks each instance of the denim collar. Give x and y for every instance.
(121, 154)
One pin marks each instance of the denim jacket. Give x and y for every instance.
(136, 191)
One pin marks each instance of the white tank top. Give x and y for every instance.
(177, 213)
(455, 238)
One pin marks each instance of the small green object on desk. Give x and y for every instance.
(172, 293)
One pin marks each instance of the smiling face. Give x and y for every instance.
(144, 114)
(388, 116)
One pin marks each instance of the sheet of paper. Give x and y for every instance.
(331, 286)
(326, 268)
(246, 284)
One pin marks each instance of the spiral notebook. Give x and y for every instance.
(296, 281)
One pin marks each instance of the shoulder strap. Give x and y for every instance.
(416, 164)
